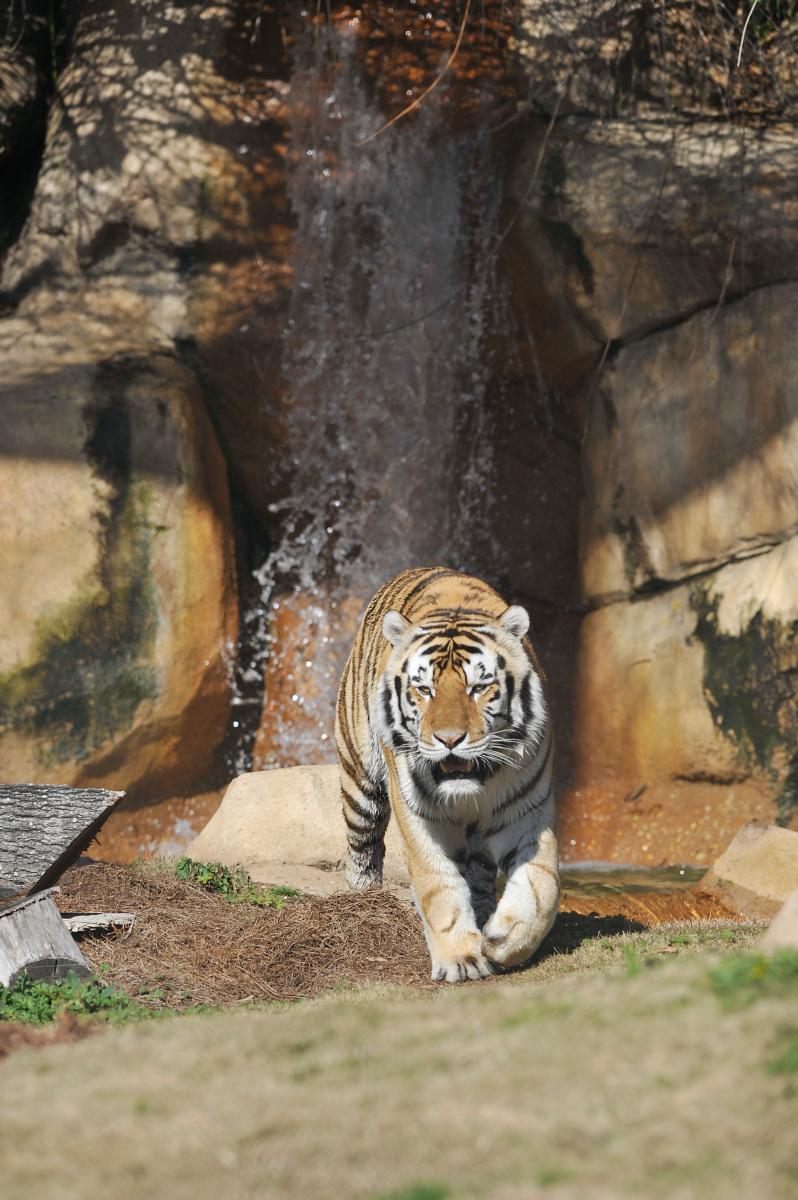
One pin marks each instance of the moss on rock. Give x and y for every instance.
(90, 666)
(750, 688)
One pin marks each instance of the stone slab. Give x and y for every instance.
(757, 872)
(288, 816)
(783, 931)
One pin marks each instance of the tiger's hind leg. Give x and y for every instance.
(366, 813)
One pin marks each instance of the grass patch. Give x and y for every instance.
(418, 1191)
(741, 978)
(787, 1063)
(37, 1001)
(234, 885)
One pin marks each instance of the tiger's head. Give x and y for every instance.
(462, 696)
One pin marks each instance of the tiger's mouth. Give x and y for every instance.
(452, 767)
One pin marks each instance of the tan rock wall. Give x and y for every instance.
(120, 587)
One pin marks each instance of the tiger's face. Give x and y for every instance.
(462, 696)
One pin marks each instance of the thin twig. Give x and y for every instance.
(415, 103)
(745, 28)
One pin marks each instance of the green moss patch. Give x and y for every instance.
(750, 687)
(90, 666)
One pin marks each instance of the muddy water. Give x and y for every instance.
(638, 895)
(608, 879)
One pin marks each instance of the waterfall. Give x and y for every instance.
(386, 359)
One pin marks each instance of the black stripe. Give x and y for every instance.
(354, 804)
(525, 696)
(386, 706)
(363, 843)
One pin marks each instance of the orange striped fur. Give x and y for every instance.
(442, 722)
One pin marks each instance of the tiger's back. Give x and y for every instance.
(442, 719)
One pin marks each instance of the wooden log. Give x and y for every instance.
(96, 922)
(43, 830)
(34, 940)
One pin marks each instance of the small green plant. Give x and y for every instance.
(235, 886)
(741, 978)
(419, 1191)
(633, 964)
(38, 1001)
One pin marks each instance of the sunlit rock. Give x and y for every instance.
(691, 455)
(271, 822)
(687, 715)
(118, 601)
(757, 872)
(782, 934)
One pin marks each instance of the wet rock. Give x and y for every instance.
(783, 931)
(118, 596)
(271, 821)
(757, 872)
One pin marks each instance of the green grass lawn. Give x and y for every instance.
(658, 1064)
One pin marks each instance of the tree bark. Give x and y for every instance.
(44, 828)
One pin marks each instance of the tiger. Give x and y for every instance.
(442, 720)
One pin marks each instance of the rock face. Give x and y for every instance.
(757, 872)
(116, 537)
(149, 214)
(240, 321)
(286, 825)
(662, 311)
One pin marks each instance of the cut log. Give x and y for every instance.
(34, 940)
(43, 830)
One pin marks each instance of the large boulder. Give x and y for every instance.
(286, 826)
(757, 872)
(687, 714)
(689, 566)
(118, 601)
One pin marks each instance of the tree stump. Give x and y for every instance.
(34, 940)
(44, 828)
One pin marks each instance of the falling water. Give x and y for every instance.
(387, 366)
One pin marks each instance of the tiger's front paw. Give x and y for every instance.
(457, 970)
(462, 958)
(509, 940)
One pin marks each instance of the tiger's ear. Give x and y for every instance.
(515, 620)
(394, 626)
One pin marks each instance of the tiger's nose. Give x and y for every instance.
(450, 737)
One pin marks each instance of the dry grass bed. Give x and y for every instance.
(189, 946)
